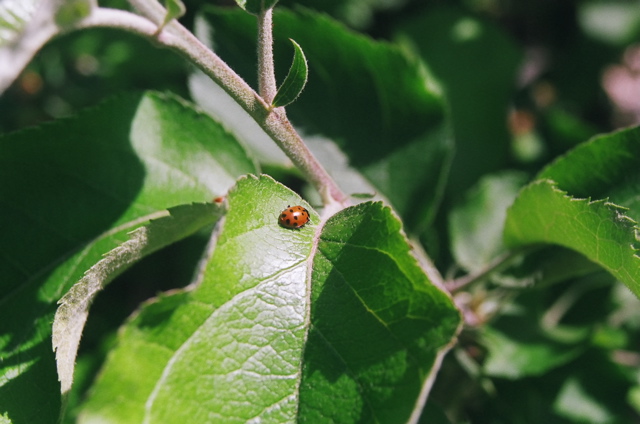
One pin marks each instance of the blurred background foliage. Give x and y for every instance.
(577, 59)
(559, 352)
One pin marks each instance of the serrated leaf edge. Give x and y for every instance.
(615, 209)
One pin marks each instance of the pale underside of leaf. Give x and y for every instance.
(74, 306)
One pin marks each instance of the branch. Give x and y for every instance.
(498, 264)
(273, 122)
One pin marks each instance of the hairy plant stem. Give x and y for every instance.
(274, 122)
(266, 73)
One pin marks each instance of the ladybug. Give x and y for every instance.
(294, 217)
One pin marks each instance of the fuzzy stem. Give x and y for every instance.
(274, 122)
(266, 72)
(280, 129)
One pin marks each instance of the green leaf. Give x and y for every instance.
(564, 129)
(513, 358)
(598, 229)
(634, 398)
(594, 392)
(476, 224)
(604, 167)
(71, 11)
(175, 9)
(70, 191)
(476, 62)
(74, 306)
(575, 403)
(378, 104)
(256, 6)
(367, 291)
(557, 208)
(540, 332)
(295, 81)
(276, 328)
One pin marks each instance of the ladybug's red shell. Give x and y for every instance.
(294, 217)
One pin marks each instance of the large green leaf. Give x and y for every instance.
(378, 326)
(604, 167)
(71, 191)
(476, 63)
(557, 208)
(375, 102)
(334, 321)
(599, 230)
